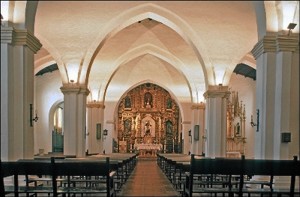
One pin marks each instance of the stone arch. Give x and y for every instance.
(57, 58)
(274, 16)
(21, 14)
(138, 13)
(142, 50)
(51, 115)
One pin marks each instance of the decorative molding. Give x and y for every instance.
(7, 35)
(186, 122)
(74, 88)
(276, 43)
(198, 106)
(217, 92)
(95, 105)
(287, 43)
(19, 37)
(266, 44)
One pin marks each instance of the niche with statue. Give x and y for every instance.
(235, 135)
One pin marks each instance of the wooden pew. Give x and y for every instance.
(8, 170)
(24, 168)
(242, 168)
(272, 168)
(85, 177)
(207, 170)
(95, 174)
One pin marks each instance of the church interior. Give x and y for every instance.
(151, 79)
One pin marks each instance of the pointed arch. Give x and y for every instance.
(142, 50)
(138, 13)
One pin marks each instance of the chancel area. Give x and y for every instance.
(201, 96)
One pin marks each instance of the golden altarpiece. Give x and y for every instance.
(235, 145)
(148, 120)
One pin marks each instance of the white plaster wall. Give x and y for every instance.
(47, 93)
(246, 87)
(109, 124)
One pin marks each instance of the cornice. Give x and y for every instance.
(266, 44)
(276, 43)
(217, 92)
(186, 122)
(198, 106)
(74, 88)
(95, 105)
(19, 37)
(287, 43)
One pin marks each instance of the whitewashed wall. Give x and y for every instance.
(246, 88)
(47, 94)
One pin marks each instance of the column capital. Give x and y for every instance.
(10, 35)
(74, 88)
(198, 106)
(217, 92)
(276, 43)
(266, 44)
(96, 104)
(287, 43)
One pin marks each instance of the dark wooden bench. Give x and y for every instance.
(213, 176)
(272, 168)
(76, 177)
(8, 170)
(236, 170)
(15, 170)
(85, 177)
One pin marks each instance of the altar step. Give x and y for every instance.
(147, 179)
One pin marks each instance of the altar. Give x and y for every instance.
(148, 149)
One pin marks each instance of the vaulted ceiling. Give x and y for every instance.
(110, 47)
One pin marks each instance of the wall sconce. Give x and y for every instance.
(105, 132)
(257, 120)
(35, 119)
(290, 27)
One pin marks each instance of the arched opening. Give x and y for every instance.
(57, 132)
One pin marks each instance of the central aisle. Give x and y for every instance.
(147, 179)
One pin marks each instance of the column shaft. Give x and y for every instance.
(216, 121)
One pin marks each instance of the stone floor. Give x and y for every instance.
(147, 179)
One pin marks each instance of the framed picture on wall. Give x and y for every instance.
(98, 131)
(196, 132)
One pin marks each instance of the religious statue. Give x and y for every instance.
(148, 128)
(127, 102)
(148, 100)
(237, 129)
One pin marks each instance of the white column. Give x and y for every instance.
(109, 125)
(216, 121)
(198, 111)
(94, 118)
(265, 54)
(186, 127)
(74, 119)
(277, 95)
(286, 97)
(17, 62)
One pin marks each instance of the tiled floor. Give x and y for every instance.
(147, 179)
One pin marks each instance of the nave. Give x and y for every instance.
(148, 179)
(161, 175)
